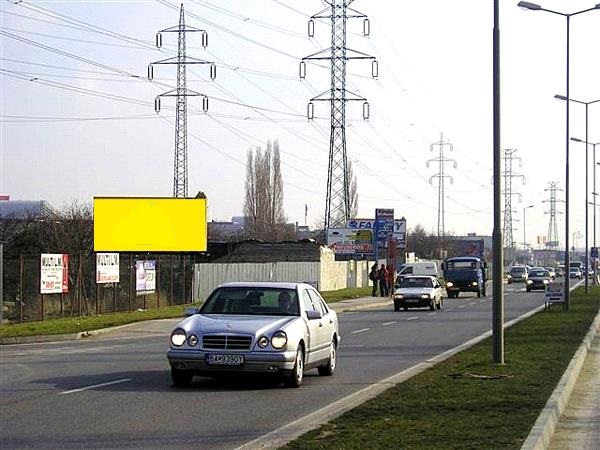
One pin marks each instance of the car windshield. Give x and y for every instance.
(252, 301)
(416, 283)
(517, 270)
(539, 273)
(462, 265)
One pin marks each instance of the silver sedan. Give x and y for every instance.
(275, 328)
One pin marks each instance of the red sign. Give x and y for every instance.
(65, 273)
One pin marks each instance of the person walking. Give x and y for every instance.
(382, 277)
(391, 279)
(373, 276)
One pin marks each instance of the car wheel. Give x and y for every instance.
(297, 375)
(181, 377)
(406, 308)
(328, 369)
(432, 304)
(396, 306)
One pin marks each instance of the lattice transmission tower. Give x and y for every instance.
(441, 176)
(508, 175)
(181, 93)
(552, 242)
(337, 203)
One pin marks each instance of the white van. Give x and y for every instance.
(419, 268)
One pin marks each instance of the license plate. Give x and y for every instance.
(225, 360)
(412, 300)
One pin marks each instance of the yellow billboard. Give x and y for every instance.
(149, 224)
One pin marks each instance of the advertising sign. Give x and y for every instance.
(128, 224)
(54, 273)
(350, 241)
(107, 268)
(145, 277)
(399, 233)
(555, 292)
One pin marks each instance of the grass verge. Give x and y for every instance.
(87, 323)
(468, 402)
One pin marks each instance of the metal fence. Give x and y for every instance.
(23, 301)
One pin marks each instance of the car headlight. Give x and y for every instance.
(425, 296)
(279, 340)
(529, 282)
(178, 337)
(398, 296)
(449, 284)
(192, 340)
(474, 283)
(263, 341)
(546, 281)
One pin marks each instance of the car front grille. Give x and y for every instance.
(226, 342)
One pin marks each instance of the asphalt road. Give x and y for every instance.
(116, 391)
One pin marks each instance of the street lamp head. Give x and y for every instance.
(597, 6)
(529, 5)
(576, 139)
(560, 97)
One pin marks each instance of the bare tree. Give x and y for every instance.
(263, 205)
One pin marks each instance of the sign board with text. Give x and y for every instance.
(555, 292)
(398, 234)
(107, 268)
(350, 241)
(145, 277)
(54, 273)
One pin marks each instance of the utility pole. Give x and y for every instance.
(552, 242)
(508, 175)
(337, 203)
(441, 177)
(180, 160)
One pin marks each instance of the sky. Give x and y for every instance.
(78, 119)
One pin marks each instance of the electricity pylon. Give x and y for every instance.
(441, 176)
(337, 203)
(508, 175)
(552, 237)
(180, 160)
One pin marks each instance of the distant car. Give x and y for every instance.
(517, 274)
(253, 327)
(575, 272)
(559, 272)
(538, 279)
(417, 291)
(551, 272)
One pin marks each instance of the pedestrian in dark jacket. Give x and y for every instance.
(373, 276)
(382, 276)
(391, 278)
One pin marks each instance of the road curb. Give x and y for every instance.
(541, 433)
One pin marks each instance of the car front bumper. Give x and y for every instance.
(196, 361)
(412, 302)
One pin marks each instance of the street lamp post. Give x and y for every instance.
(536, 7)
(587, 104)
(594, 193)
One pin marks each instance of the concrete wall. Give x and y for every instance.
(327, 275)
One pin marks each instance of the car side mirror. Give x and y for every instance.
(313, 315)
(190, 311)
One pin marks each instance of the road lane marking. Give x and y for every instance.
(94, 386)
(472, 303)
(432, 314)
(482, 301)
(385, 324)
(412, 318)
(461, 306)
(361, 331)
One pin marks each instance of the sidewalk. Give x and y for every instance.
(579, 426)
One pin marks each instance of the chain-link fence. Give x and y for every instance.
(23, 301)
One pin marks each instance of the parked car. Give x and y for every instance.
(517, 274)
(538, 279)
(418, 291)
(253, 327)
(575, 272)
